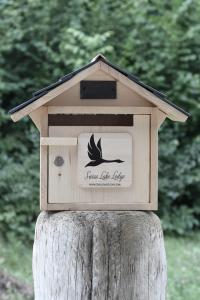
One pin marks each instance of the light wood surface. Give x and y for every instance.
(58, 141)
(99, 110)
(161, 116)
(101, 206)
(44, 161)
(36, 116)
(70, 192)
(124, 97)
(99, 255)
(154, 158)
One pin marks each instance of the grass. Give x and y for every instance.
(183, 255)
(16, 259)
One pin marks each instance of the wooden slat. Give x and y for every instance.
(44, 162)
(141, 164)
(154, 159)
(101, 206)
(99, 110)
(61, 177)
(53, 141)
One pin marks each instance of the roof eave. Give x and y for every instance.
(176, 113)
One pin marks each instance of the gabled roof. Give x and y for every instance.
(99, 58)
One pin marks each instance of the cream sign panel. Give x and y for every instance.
(105, 160)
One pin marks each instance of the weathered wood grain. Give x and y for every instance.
(99, 256)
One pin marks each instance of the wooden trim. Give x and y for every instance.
(58, 141)
(161, 116)
(90, 120)
(99, 110)
(170, 111)
(101, 206)
(154, 159)
(55, 92)
(36, 116)
(44, 161)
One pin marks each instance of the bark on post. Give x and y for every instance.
(99, 256)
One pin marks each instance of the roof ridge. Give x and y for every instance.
(98, 57)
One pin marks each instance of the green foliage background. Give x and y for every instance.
(156, 40)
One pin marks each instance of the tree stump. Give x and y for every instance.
(99, 256)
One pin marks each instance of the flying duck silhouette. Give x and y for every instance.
(95, 154)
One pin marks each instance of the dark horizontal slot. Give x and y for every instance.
(98, 89)
(90, 120)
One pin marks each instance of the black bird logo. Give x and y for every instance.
(95, 154)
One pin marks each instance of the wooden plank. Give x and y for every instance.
(99, 110)
(101, 206)
(53, 141)
(44, 161)
(141, 165)
(171, 111)
(54, 93)
(154, 159)
(60, 177)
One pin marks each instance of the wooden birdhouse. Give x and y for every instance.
(98, 139)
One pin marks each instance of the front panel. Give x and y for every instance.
(64, 186)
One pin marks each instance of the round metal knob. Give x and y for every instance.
(59, 161)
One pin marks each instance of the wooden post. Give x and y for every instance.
(99, 256)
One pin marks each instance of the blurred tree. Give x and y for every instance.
(156, 40)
